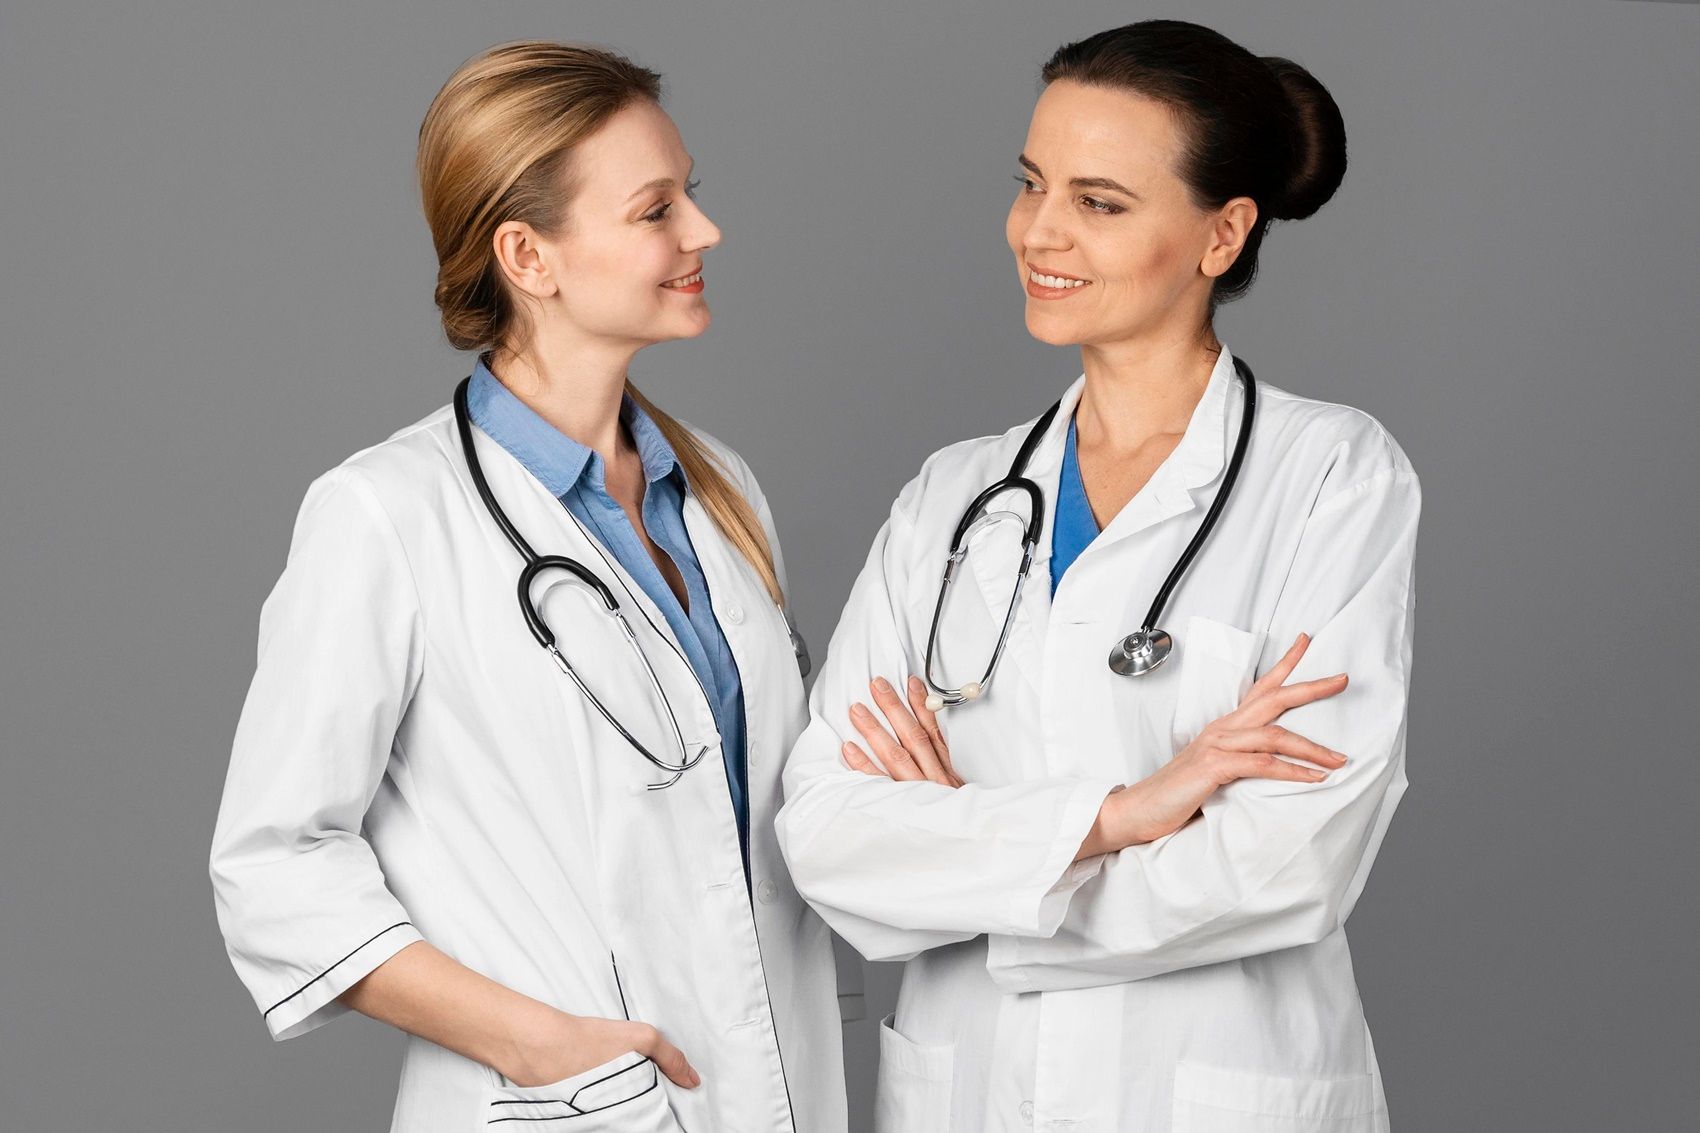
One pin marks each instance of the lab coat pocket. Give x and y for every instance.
(1209, 1099)
(1218, 663)
(623, 1094)
(914, 1084)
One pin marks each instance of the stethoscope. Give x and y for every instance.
(1131, 656)
(536, 564)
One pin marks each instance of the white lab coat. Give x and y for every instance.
(1198, 983)
(410, 764)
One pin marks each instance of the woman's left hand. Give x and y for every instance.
(916, 752)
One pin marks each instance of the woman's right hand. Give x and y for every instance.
(1244, 744)
(561, 1045)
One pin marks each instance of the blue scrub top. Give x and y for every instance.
(575, 475)
(1075, 527)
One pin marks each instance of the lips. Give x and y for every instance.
(689, 282)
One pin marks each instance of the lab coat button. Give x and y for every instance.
(766, 892)
(1027, 1113)
(752, 753)
(735, 615)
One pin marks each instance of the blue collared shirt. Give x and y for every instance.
(576, 476)
(1075, 526)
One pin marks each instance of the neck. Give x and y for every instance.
(574, 384)
(1142, 389)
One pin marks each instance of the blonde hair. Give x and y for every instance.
(496, 146)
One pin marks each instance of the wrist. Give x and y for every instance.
(531, 1034)
(1107, 834)
(1124, 818)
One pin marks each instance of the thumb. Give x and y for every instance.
(672, 1062)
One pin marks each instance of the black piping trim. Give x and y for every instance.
(573, 1101)
(332, 968)
(577, 1112)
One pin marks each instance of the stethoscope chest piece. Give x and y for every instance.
(1140, 652)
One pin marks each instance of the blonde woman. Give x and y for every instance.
(538, 836)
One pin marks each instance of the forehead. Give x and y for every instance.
(638, 144)
(1089, 131)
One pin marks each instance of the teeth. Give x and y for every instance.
(685, 282)
(1054, 281)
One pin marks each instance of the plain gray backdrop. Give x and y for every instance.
(215, 283)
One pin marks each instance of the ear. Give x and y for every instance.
(519, 253)
(1233, 223)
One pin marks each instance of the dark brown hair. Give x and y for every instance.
(1254, 127)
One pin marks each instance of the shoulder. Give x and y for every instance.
(1344, 446)
(958, 471)
(394, 477)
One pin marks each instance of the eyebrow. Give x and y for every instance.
(1084, 182)
(661, 183)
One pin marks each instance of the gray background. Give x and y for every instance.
(216, 283)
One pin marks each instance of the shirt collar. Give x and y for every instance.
(555, 459)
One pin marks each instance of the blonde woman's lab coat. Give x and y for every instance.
(1200, 983)
(411, 765)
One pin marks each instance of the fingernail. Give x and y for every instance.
(882, 684)
(858, 710)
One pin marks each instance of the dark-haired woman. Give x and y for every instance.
(1123, 896)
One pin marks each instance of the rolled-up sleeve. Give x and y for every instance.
(300, 896)
(899, 867)
(1270, 864)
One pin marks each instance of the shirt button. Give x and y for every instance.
(752, 753)
(766, 892)
(735, 615)
(1027, 1113)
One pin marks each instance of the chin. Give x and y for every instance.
(675, 328)
(1054, 332)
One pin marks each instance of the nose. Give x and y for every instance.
(701, 234)
(1045, 232)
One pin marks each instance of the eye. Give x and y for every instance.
(1027, 184)
(659, 214)
(691, 188)
(1101, 207)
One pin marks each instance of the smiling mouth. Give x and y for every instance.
(685, 282)
(1054, 282)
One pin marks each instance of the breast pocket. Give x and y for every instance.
(1209, 1099)
(1218, 663)
(624, 1093)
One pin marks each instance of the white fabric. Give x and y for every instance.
(410, 764)
(1202, 981)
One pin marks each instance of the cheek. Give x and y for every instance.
(1155, 262)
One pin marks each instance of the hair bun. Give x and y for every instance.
(1317, 136)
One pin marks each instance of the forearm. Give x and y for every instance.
(427, 993)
